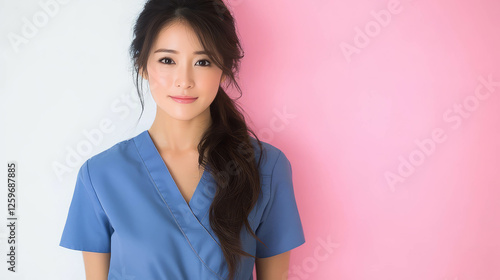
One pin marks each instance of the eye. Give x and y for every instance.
(165, 58)
(207, 62)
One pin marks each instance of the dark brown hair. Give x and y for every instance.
(230, 153)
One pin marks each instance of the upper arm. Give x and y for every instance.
(275, 267)
(96, 265)
(88, 228)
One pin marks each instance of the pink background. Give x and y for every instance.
(354, 117)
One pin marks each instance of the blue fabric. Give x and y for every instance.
(126, 203)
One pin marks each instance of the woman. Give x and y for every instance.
(186, 199)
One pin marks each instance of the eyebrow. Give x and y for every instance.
(176, 52)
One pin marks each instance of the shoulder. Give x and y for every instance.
(271, 156)
(276, 182)
(113, 158)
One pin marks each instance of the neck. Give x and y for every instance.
(179, 136)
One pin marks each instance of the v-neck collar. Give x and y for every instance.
(172, 181)
(169, 187)
(188, 217)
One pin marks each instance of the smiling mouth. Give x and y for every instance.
(183, 97)
(184, 100)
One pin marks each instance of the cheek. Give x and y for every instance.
(210, 81)
(158, 80)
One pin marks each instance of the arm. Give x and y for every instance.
(273, 268)
(96, 265)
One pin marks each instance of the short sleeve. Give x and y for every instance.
(87, 227)
(280, 229)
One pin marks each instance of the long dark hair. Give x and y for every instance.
(227, 143)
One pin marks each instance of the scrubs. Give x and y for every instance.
(126, 203)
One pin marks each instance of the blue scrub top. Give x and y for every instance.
(126, 203)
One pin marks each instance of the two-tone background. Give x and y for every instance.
(389, 112)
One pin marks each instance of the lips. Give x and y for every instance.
(184, 97)
(184, 100)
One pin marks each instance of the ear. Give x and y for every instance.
(223, 78)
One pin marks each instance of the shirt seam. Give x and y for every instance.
(271, 186)
(93, 189)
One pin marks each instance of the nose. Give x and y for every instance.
(184, 79)
(184, 85)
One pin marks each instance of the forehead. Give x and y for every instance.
(179, 36)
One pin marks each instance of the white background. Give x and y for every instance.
(59, 81)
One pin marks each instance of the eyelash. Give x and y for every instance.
(168, 58)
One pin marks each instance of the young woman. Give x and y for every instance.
(187, 198)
